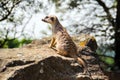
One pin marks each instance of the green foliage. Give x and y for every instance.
(25, 41)
(108, 60)
(57, 2)
(13, 43)
(74, 3)
(106, 55)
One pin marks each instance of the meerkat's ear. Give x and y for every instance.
(52, 18)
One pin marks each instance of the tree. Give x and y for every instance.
(117, 36)
(116, 26)
(6, 11)
(12, 24)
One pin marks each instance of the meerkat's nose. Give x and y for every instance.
(44, 20)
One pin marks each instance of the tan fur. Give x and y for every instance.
(62, 40)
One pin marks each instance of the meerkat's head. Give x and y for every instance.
(50, 19)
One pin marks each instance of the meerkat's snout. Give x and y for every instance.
(43, 20)
(46, 19)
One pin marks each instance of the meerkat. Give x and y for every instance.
(62, 41)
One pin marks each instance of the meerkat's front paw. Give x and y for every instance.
(58, 52)
(50, 46)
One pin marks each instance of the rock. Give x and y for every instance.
(43, 63)
(51, 68)
(87, 40)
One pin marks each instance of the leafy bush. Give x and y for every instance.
(14, 43)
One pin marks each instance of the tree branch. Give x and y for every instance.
(8, 11)
(106, 9)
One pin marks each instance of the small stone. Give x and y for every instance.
(19, 54)
(42, 63)
(41, 70)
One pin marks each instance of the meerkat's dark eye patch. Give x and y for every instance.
(52, 18)
(46, 17)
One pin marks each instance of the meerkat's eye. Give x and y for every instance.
(46, 17)
(52, 18)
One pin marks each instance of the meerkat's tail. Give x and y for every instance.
(82, 63)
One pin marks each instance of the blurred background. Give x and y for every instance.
(20, 23)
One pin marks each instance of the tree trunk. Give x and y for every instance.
(117, 36)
